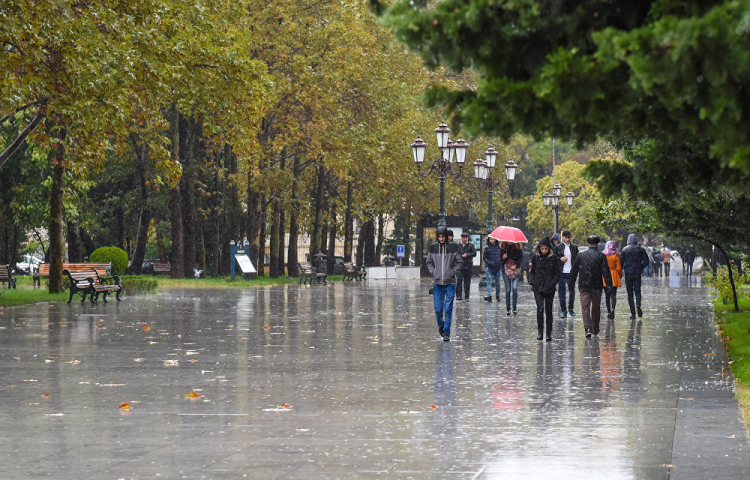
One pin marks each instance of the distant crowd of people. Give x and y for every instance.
(554, 266)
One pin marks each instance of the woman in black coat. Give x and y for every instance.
(543, 278)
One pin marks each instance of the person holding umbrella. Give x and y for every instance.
(512, 258)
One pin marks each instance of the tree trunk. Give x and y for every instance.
(141, 155)
(200, 245)
(292, 257)
(273, 270)
(253, 221)
(348, 225)
(175, 200)
(331, 238)
(74, 245)
(187, 188)
(360, 247)
(262, 238)
(56, 243)
(731, 277)
(368, 234)
(159, 241)
(316, 229)
(381, 238)
(282, 232)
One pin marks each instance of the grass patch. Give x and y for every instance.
(735, 328)
(23, 296)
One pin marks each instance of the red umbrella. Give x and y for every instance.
(508, 234)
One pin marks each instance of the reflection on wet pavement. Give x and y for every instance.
(352, 380)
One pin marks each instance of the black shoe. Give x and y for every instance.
(440, 331)
(540, 336)
(596, 331)
(514, 311)
(508, 312)
(488, 298)
(588, 333)
(497, 299)
(446, 338)
(632, 318)
(549, 337)
(640, 312)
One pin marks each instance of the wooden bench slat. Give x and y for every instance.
(7, 276)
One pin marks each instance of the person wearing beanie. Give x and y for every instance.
(589, 267)
(543, 278)
(468, 252)
(443, 262)
(615, 269)
(634, 260)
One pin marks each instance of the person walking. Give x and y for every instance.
(688, 259)
(525, 264)
(649, 270)
(666, 257)
(544, 276)
(468, 252)
(656, 254)
(615, 269)
(493, 257)
(634, 260)
(567, 253)
(512, 258)
(443, 262)
(588, 268)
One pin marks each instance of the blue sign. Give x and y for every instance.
(400, 251)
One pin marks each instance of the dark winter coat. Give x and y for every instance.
(634, 257)
(471, 251)
(493, 256)
(689, 258)
(589, 267)
(544, 273)
(444, 262)
(559, 252)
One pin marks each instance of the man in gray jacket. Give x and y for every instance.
(444, 261)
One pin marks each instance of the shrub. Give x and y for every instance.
(132, 284)
(117, 256)
(723, 286)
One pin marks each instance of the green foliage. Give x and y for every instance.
(132, 284)
(116, 255)
(22, 296)
(723, 286)
(735, 329)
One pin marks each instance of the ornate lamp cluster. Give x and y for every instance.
(552, 200)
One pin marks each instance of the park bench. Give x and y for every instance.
(162, 268)
(352, 272)
(90, 282)
(7, 276)
(308, 272)
(43, 271)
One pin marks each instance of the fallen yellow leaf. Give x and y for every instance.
(709, 354)
(146, 328)
(193, 394)
(433, 406)
(124, 406)
(286, 405)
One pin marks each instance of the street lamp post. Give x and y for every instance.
(552, 202)
(443, 163)
(483, 172)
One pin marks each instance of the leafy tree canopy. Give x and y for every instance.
(578, 70)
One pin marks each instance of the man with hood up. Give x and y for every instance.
(634, 260)
(444, 261)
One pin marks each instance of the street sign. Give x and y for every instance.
(245, 264)
(400, 251)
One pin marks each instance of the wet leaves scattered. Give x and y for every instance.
(124, 406)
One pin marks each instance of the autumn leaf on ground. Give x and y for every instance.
(433, 406)
(146, 328)
(709, 354)
(193, 395)
(124, 406)
(265, 326)
(171, 363)
(46, 395)
(139, 360)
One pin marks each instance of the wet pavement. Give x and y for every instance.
(352, 381)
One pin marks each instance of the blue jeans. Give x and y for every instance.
(443, 298)
(511, 285)
(562, 286)
(493, 275)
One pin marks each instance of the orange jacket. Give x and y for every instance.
(615, 268)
